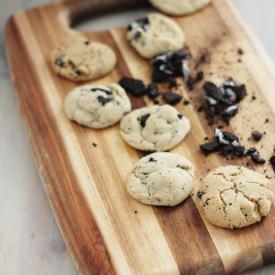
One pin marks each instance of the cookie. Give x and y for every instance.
(83, 60)
(179, 7)
(163, 179)
(155, 34)
(97, 106)
(234, 197)
(156, 128)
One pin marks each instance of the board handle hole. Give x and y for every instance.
(101, 18)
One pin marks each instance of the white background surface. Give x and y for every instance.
(30, 242)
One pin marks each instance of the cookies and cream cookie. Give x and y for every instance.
(155, 34)
(179, 7)
(234, 197)
(156, 128)
(83, 60)
(161, 179)
(97, 106)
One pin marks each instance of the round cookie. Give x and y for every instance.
(234, 197)
(155, 34)
(97, 106)
(179, 7)
(163, 179)
(155, 128)
(83, 60)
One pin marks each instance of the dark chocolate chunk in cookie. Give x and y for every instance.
(143, 119)
(104, 100)
(256, 135)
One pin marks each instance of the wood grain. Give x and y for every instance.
(105, 230)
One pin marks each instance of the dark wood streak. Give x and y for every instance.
(183, 225)
(93, 259)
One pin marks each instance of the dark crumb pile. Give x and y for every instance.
(170, 65)
(135, 87)
(94, 144)
(256, 135)
(220, 102)
(226, 143)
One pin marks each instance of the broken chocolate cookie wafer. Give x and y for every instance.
(226, 143)
(221, 101)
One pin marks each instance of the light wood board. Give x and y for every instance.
(105, 230)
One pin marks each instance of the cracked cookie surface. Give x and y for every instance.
(234, 197)
(179, 7)
(97, 106)
(155, 34)
(156, 128)
(163, 179)
(83, 60)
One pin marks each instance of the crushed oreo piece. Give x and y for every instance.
(193, 80)
(87, 42)
(134, 86)
(152, 91)
(200, 194)
(171, 98)
(226, 143)
(186, 102)
(256, 135)
(104, 100)
(180, 116)
(256, 158)
(209, 147)
(272, 162)
(143, 119)
(170, 65)
(94, 144)
(221, 101)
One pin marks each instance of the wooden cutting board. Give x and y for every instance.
(106, 231)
